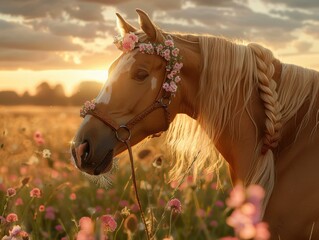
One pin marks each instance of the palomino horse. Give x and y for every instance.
(232, 99)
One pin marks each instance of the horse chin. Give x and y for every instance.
(105, 165)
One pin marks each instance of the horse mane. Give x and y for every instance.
(232, 70)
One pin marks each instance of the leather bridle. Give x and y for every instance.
(162, 100)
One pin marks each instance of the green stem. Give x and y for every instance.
(118, 229)
(200, 219)
(5, 206)
(170, 224)
(26, 209)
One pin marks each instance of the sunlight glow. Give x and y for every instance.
(28, 80)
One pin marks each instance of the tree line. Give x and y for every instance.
(47, 95)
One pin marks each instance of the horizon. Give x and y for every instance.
(72, 41)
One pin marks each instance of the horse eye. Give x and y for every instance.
(141, 75)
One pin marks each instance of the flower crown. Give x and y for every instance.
(88, 106)
(168, 51)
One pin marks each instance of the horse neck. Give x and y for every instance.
(239, 137)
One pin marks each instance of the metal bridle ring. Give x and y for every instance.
(165, 101)
(129, 134)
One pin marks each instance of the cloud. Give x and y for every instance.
(303, 46)
(89, 30)
(16, 36)
(42, 34)
(236, 22)
(296, 3)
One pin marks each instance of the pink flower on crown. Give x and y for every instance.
(169, 43)
(149, 47)
(133, 37)
(128, 46)
(177, 79)
(159, 49)
(170, 76)
(175, 52)
(142, 47)
(166, 86)
(173, 86)
(178, 66)
(174, 72)
(167, 52)
(129, 41)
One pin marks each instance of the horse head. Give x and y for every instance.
(139, 98)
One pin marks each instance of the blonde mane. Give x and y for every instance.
(233, 71)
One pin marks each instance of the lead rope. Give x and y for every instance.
(128, 145)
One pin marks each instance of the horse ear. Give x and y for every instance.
(124, 26)
(148, 26)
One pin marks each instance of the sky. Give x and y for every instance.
(68, 41)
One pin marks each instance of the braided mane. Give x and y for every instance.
(232, 71)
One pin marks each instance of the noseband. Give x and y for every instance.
(163, 99)
(123, 132)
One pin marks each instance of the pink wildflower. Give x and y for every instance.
(19, 202)
(175, 205)
(35, 193)
(201, 213)
(49, 213)
(245, 219)
(15, 231)
(168, 238)
(24, 235)
(41, 208)
(262, 232)
(12, 217)
(229, 238)
(86, 224)
(255, 193)
(11, 192)
(219, 204)
(73, 196)
(59, 228)
(236, 196)
(38, 138)
(213, 223)
(2, 220)
(108, 223)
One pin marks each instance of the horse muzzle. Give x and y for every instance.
(93, 147)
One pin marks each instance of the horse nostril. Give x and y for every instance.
(84, 151)
(81, 153)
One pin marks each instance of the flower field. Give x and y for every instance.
(43, 196)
